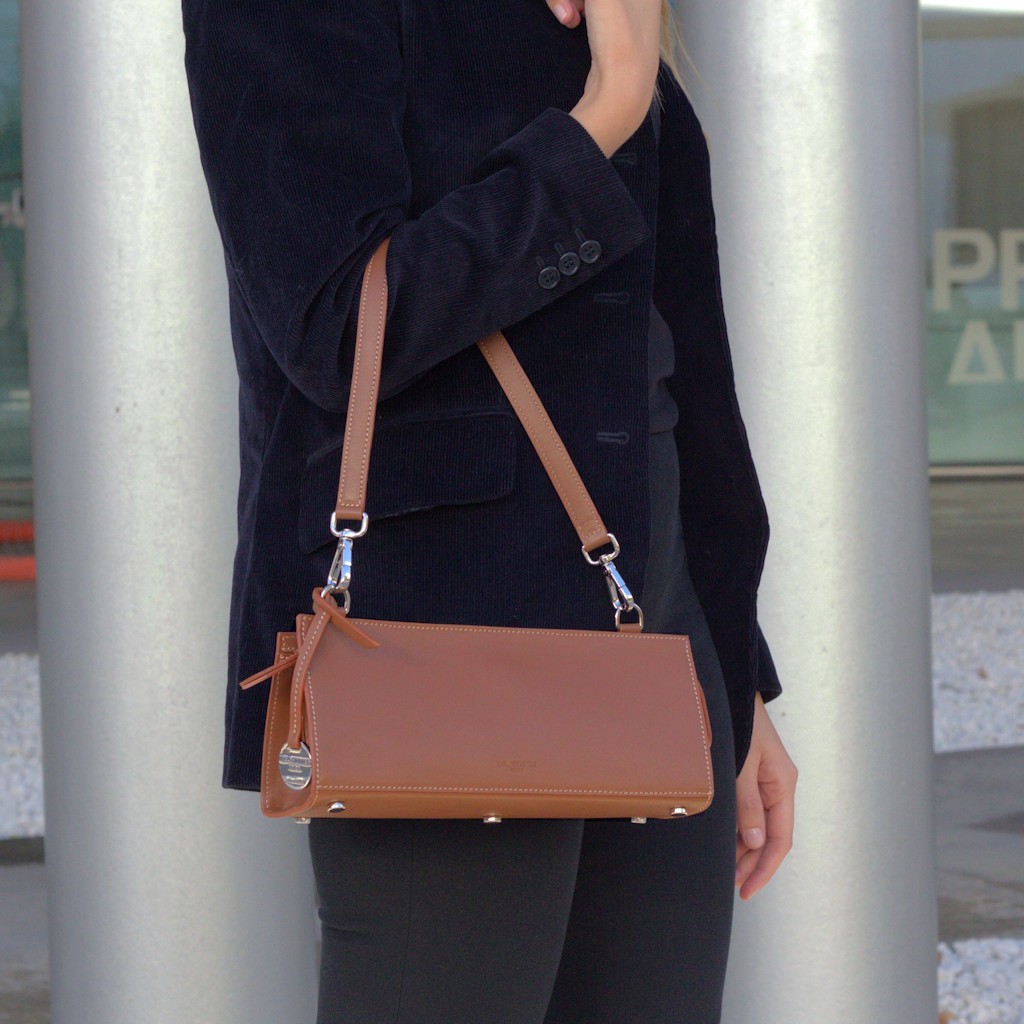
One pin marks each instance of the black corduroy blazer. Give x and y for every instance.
(323, 128)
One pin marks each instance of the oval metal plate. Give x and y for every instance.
(296, 766)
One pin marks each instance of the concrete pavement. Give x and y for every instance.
(979, 807)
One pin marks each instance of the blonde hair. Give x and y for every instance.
(672, 49)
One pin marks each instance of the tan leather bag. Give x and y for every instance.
(382, 719)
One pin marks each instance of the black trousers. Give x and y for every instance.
(542, 921)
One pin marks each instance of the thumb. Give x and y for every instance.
(749, 811)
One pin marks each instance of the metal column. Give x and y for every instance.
(812, 110)
(171, 900)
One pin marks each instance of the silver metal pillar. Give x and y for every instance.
(812, 110)
(170, 899)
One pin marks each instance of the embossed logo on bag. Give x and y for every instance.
(517, 766)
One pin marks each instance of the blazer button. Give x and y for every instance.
(568, 263)
(549, 277)
(589, 251)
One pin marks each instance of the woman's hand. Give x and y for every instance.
(625, 47)
(568, 12)
(764, 805)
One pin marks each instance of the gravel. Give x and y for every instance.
(978, 692)
(981, 981)
(21, 768)
(978, 670)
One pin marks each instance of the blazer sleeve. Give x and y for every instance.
(298, 108)
(768, 684)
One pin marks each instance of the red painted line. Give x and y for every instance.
(17, 568)
(14, 532)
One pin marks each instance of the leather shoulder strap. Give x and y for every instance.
(362, 399)
(549, 446)
(362, 408)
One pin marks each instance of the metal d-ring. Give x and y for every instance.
(346, 597)
(344, 531)
(603, 559)
(635, 608)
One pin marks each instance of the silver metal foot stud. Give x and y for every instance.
(492, 819)
(679, 812)
(638, 821)
(336, 808)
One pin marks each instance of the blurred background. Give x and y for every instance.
(973, 189)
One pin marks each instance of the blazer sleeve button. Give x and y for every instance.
(549, 277)
(568, 263)
(589, 251)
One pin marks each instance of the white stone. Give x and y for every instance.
(978, 670)
(981, 981)
(21, 766)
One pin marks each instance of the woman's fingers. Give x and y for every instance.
(746, 861)
(765, 790)
(777, 845)
(749, 808)
(750, 823)
(568, 12)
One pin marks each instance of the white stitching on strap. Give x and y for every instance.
(359, 356)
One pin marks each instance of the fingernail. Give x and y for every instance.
(562, 13)
(752, 836)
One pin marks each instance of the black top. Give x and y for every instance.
(660, 361)
(660, 350)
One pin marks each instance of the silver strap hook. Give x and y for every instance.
(621, 596)
(339, 576)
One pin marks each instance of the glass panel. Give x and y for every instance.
(14, 408)
(973, 80)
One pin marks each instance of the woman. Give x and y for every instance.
(517, 156)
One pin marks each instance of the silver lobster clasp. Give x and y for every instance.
(339, 576)
(622, 597)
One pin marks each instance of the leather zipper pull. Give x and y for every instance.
(270, 670)
(341, 620)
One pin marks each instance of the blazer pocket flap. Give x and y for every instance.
(414, 465)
